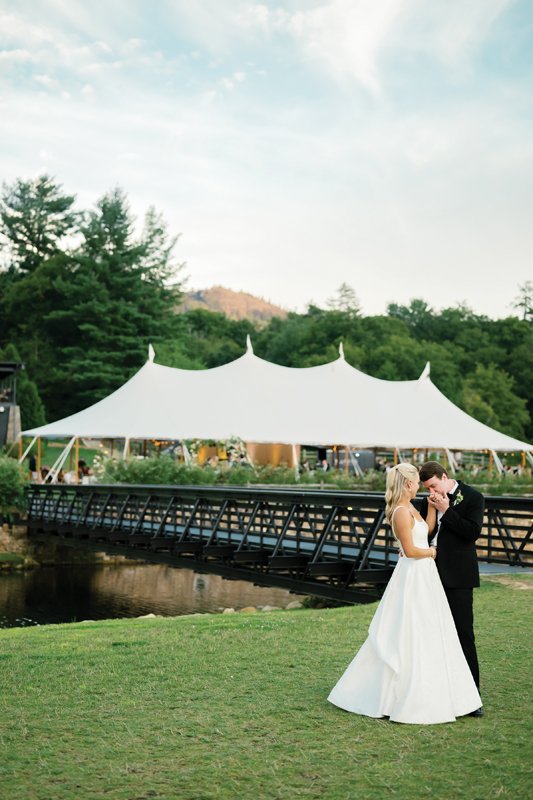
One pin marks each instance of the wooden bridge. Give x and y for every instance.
(332, 544)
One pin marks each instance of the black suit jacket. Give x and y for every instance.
(460, 526)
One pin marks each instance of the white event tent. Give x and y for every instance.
(258, 401)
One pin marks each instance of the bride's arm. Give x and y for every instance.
(403, 529)
(431, 518)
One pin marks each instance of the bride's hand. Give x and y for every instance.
(439, 502)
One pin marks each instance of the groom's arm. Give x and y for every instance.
(466, 524)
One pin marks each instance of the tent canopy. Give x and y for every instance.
(258, 401)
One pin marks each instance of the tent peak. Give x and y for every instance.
(151, 354)
(341, 351)
(425, 372)
(249, 348)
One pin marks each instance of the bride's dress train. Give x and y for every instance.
(411, 668)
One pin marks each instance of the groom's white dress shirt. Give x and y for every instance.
(439, 516)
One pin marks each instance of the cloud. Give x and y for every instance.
(351, 38)
(46, 81)
(454, 30)
(245, 124)
(230, 83)
(17, 56)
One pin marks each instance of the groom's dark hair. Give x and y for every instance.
(431, 469)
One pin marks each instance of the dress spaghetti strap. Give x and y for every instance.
(395, 509)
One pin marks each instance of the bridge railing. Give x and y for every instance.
(330, 543)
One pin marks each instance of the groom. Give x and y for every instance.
(459, 519)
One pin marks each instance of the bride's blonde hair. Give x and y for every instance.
(397, 479)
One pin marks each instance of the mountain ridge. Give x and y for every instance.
(235, 305)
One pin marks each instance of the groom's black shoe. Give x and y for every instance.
(479, 712)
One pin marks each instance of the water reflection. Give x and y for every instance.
(81, 592)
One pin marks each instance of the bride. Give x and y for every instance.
(411, 668)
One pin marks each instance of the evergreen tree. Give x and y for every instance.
(31, 407)
(114, 303)
(35, 218)
(524, 301)
(345, 300)
(26, 308)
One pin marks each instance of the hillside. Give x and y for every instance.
(235, 305)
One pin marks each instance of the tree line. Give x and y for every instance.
(82, 295)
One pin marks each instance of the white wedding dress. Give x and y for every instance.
(411, 668)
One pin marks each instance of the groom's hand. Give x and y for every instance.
(439, 501)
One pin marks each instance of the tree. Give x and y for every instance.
(157, 259)
(26, 310)
(31, 406)
(418, 316)
(524, 301)
(209, 338)
(489, 396)
(83, 321)
(345, 300)
(35, 218)
(113, 303)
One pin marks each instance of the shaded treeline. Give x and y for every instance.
(82, 295)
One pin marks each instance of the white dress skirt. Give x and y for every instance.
(411, 668)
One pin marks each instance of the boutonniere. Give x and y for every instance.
(458, 498)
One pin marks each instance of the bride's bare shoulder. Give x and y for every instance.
(401, 513)
(401, 509)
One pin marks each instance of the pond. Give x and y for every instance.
(55, 594)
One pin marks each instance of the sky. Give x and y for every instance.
(293, 146)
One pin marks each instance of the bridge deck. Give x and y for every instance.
(332, 544)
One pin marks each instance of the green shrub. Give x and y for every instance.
(165, 470)
(13, 480)
(162, 470)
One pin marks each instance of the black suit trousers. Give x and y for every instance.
(461, 602)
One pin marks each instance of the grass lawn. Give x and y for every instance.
(234, 706)
(51, 450)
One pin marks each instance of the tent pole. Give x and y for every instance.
(295, 462)
(490, 462)
(356, 466)
(20, 448)
(23, 455)
(523, 461)
(395, 456)
(76, 460)
(13, 445)
(451, 459)
(496, 458)
(126, 448)
(51, 477)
